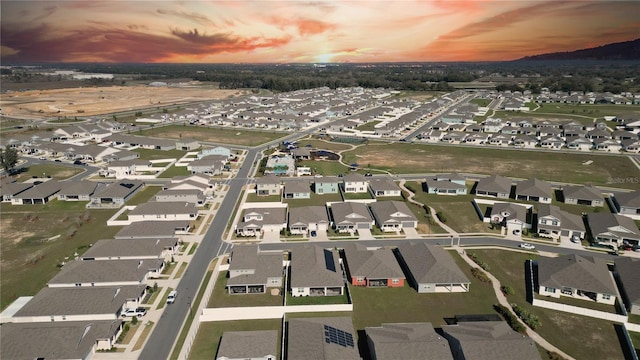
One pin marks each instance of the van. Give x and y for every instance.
(172, 297)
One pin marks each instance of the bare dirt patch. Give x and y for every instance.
(101, 100)
(12, 237)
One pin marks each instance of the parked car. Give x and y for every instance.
(78, 162)
(137, 312)
(527, 246)
(575, 239)
(42, 158)
(368, 174)
(172, 297)
(313, 233)
(57, 160)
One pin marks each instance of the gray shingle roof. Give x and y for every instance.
(82, 187)
(264, 265)
(494, 183)
(101, 271)
(40, 191)
(567, 220)
(491, 340)
(129, 247)
(151, 229)
(581, 193)
(54, 340)
(372, 264)
(383, 184)
(308, 215)
(431, 264)
(407, 341)
(80, 300)
(119, 189)
(307, 339)
(630, 199)
(514, 211)
(163, 208)
(350, 213)
(297, 186)
(248, 344)
(578, 272)
(314, 266)
(534, 187)
(392, 211)
(618, 225)
(269, 179)
(629, 271)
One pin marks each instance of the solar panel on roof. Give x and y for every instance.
(338, 337)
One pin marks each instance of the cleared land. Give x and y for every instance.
(37, 238)
(88, 101)
(57, 172)
(545, 165)
(217, 135)
(591, 338)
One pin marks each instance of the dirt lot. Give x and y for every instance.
(36, 104)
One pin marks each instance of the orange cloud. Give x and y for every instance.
(304, 26)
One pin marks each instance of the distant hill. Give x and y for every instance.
(627, 50)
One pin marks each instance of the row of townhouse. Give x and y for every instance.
(388, 216)
(626, 98)
(353, 182)
(315, 271)
(80, 310)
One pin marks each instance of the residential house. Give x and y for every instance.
(252, 271)
(187, 144)
(296, 189)
(495, 186)
(80, 303)
(582, 195)
(301, 153)
(107, 273)
(39, 193)
(126, 249)
(613, 229)
(384, 187)
(326, 185)
(242, 345)
(351, 216)
(372, 268)
(80, 190)
(115, 194)
(627, 203)
(268, 185)
(322, 338)
(406, 341)
(124, 169)
(58, 340)
(259, 220)
(210, 165)
(163, 211)
(627, 270)
(430, 269)
(525, 141)
(153, 229)
(393, 216)
(304, 219)
(578, 143)
(315, 272)
(446, 185)
(355, 182)
(10, 189)
(192, 196)
(534, 190)
(493, 340)
(513, 217)
(559, 224)
(576, 276)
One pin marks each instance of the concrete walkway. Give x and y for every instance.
(503, 301)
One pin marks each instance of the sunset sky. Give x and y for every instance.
(269, 31)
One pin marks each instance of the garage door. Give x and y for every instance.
(363, 226)
(408, 224)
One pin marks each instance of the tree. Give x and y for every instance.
(8, 158)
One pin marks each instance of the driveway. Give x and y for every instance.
(365, 234)
(270, 237)
(411, 233)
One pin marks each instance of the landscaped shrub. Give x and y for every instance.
(509, 318)
(476, 260)
(507, 290)
(478, 274)
(441, 216)
(530, 319)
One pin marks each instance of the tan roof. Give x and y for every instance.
(248, 344)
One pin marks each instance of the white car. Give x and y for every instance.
(172, 297)
(527, 246)
(137, 312)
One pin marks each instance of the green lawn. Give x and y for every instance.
(324, 145)
(596, 111)
(253, 197)
(324, 167)
(175, 171)
(481, 102)
(220, 135)
(458, 210)
(421, 158)
(31, 248)
(209, 334)
(220, 298)
(372, 307)
(635, 339)
(58, 172)
(152, 154)
(358, 196)
(370, 126)
(144, 195)
(314, 200)
(590, 338)
(316, 300)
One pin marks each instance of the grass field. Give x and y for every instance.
(144, 195)
(220, 298)
(635, 338)
(598, 111)
(550, 166)
(370, 126)
(315, 200)
(209, 335)
(175, 171)
(324, 145)
(481, 102)
(36, 238)
(591, 338)
(324, 167)
(58, 172)
(151, 154)
(218, 135)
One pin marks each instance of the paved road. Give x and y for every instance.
(166, 331)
